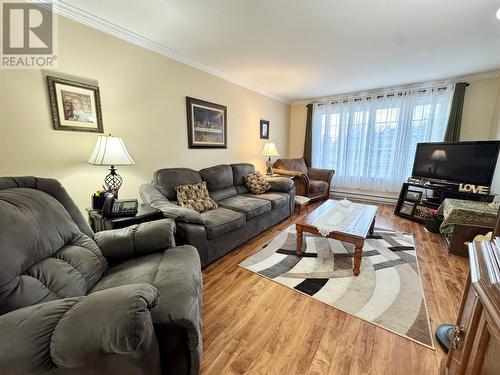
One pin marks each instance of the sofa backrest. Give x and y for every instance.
(53, 188)
(167, 179)
(223, 181)
(298, 165)
(44, 254)
(239, 171)
(219, 180)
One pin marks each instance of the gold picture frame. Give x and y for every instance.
(75, 106)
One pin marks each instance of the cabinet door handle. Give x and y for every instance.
(457, 336)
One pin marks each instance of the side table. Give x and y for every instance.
(144, 213)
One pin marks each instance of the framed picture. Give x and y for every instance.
(75, 106)
(413, 196)
(264, 129)
(407, 209)
(207, 124)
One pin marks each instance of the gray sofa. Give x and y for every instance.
(240, 215)
(124, 301)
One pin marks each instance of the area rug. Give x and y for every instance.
(388, 292)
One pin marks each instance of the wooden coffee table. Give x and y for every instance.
(355, 233)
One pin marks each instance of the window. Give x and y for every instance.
(371, 141)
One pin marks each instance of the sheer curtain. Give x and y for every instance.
(370, 141)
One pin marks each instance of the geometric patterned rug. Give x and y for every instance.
(388, 291)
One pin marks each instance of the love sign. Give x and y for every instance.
(477, 189)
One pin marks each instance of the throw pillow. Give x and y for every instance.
(195, 196)
(256, 183)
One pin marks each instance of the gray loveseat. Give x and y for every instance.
(123, 301)
(240, 215)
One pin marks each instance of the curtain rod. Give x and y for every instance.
(380, 93)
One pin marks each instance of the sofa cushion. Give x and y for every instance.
(221, 221)
(167, 179)
(298, 165)
(256, 183)
(277, 199)
(195, 197)
(176, 274)
(251, 207)
(223, 193)
(218, 177)
(316, 186)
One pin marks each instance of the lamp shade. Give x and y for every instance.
(110, 150)
(270, 150)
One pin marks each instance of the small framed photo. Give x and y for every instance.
(413, 196)
(264, 129)
(75, 106)
(420, 211)
(207, 124)
(407, 209)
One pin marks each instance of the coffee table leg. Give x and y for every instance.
(299, 239)
(358, 253)
(372, 227)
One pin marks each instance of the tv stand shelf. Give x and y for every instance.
(414, 197)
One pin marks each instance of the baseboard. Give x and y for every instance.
(365, 196)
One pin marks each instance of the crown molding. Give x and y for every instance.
(445, 81)
(76, 14)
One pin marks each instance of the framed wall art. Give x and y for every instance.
(207, 124)
(75, 105)
(264, 129)
(413, 196)
(407, 209)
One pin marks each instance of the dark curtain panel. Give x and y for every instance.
(455, 119)
(308, 138)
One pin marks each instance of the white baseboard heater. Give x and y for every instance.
(365, 196)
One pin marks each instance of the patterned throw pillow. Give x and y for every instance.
(256, 183)
(195, 196)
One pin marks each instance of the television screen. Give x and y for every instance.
(463, 162)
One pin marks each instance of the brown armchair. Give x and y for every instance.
(309, 182)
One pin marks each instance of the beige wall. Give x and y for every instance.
(495, 134)
(298, 115)
(143, 101)
(479, 109)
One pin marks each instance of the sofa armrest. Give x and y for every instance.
(152, 196)
(182, 299)
(321, 174)
(136, 240)
(301, 180)
(281, 184)
(73, 332)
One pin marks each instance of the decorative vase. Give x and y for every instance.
(432, 225)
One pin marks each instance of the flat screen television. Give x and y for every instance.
(457, 162)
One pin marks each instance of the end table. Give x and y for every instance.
(145, 213)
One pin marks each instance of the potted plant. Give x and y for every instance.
(433, 220)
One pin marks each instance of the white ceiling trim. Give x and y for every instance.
(468, 78)
(86, 18)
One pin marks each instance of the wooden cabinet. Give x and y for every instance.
(475, 347)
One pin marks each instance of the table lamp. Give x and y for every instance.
(269, 150)
(111, 151)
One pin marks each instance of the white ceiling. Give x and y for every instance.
(298, 49)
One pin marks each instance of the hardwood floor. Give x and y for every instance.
(255, 326)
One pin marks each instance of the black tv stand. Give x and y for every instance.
(415, 197)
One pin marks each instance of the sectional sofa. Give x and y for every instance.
(239, 217)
